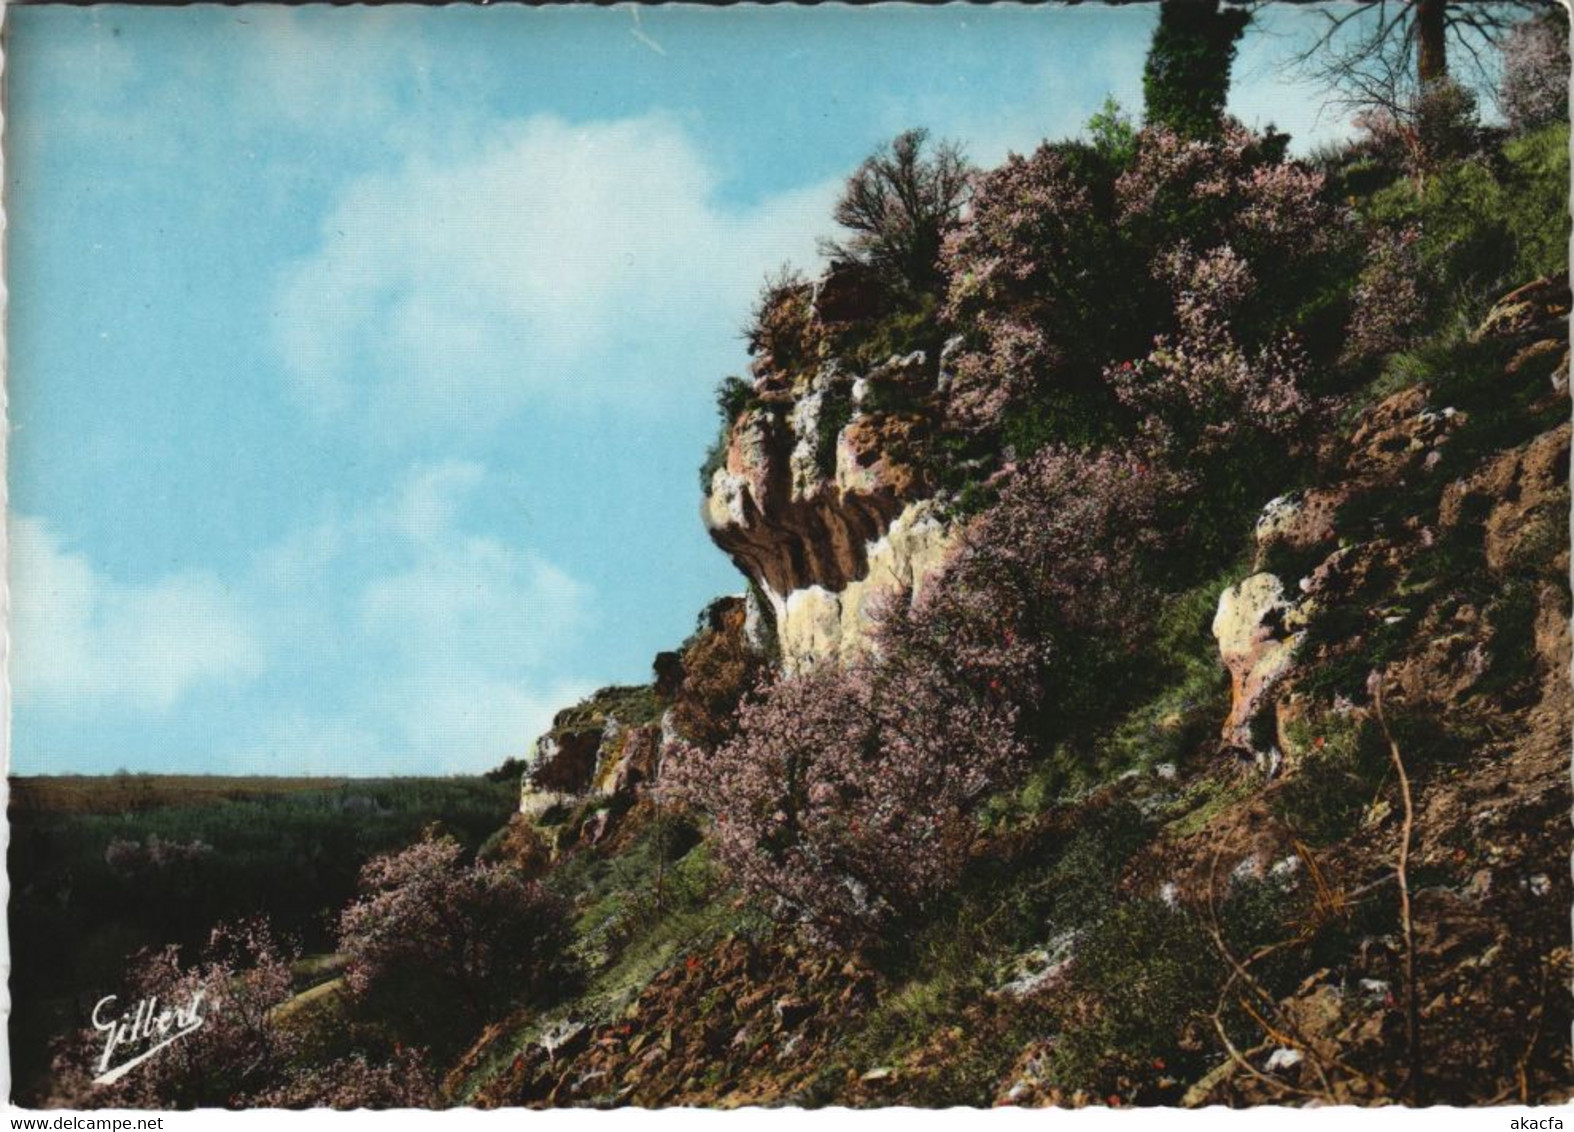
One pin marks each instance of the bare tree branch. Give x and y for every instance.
(1375, 55)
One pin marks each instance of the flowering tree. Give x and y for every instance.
(1535, 87)
(845, 798)
(1049, 586)
(436, 947)
(1238, 190)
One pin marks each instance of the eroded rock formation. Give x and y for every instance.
(822, 496)
(602, 745)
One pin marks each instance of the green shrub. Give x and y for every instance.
(1488, 223)
(835, 411)
(913, 326)
(1154, 970)
(1112, 134)
(734, 397)
(1157, 971)
(1324, 798)
(1538, 210)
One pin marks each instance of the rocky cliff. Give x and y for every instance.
(822, 496)
(1407, 607)
(604, 745)
(589, 769)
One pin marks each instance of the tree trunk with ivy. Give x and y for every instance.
(1431, 41)
(1187, 78)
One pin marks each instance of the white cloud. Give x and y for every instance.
(432, 496)
(84, 642)
(456, 639)
(293, 65)
(548, 259)
(476, 600)
(460, 722)
(457, 599)
(302, 556)
(468, 721)
(397, 640)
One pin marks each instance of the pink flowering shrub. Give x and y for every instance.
(403, 1081)
(1199, 387)
(1239, 189)
(845, 799)
(1069, 267)
(242, 976)
(1048, 589)
(1031, 275)
(1388, 305)
(848, 798)
(1239, 193)
(134, 860)
(436, 947)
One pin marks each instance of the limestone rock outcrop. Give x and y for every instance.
(816, 624)
(595, 761)
(789, 523)
(824, 539)
(1259, 630)
(823, 495)
(1529, 310)
(599, 746)
(1405, 493)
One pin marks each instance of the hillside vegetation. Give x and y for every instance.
(1226, 761)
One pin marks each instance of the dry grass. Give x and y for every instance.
(123, 793)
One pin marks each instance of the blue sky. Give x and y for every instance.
(361, 359)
